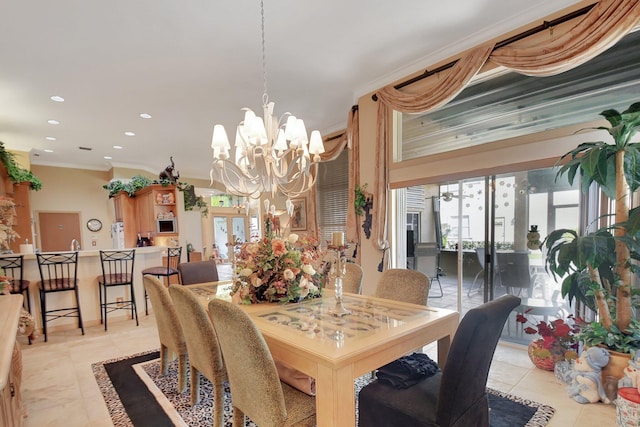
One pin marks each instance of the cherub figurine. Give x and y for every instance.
(586, 381)
(631, 372)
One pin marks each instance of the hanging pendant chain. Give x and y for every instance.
(265, 98)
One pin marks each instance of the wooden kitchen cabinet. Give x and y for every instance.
(141, 213)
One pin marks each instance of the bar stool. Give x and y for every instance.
(117, 270)
(12, 267)
(166, 271)
(58, 273)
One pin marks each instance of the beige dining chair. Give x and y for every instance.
(205, 356)
(172, 343)
(352, 281)
(256, 390)
(404, 285)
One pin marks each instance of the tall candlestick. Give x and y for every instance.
(338, 238)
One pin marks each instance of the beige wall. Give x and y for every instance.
(75, 190)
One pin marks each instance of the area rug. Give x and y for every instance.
(137, 395)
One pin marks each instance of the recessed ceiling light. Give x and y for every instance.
(48, 151)
(118, 147)
(53, 122)
(50, 138)
(145, 115)
(57, 98)
(130, 134)
(108, 157)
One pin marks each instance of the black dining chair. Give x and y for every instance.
(58, 273)
(455, 396)
(198, 272)
(117, 270)
(164, 271)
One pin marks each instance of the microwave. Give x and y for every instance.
(166, 226)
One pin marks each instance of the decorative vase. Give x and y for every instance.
(533, 238)
(544, 358)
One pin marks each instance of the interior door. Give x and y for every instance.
(58, 229)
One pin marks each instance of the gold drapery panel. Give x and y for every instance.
(455, 79)
(599, 29)
(606, 23)
(333, 148)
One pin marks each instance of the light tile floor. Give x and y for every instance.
(59, 389)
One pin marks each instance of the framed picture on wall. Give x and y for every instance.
(298, 220)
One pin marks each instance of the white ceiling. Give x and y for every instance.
(191, 64)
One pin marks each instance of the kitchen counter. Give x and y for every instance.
(89, 268)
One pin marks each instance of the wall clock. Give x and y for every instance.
(94, 224)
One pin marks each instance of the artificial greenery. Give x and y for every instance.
(191, 201)
(16, 173)
(136, 183)
(360, 199)
(598, 268)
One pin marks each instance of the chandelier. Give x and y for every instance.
(272, 155)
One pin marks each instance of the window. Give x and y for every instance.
(332, 195)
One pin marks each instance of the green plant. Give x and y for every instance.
(360, 199)
(136, 183)
(16, 173)
(598, 266)
(191, 201)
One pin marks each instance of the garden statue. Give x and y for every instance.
(168, 175)
(631, 372)
(586, 380)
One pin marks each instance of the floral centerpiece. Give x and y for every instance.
(274, 269)
(557, 341)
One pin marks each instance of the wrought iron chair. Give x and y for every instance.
(58, 273)
(164, 271)
(117, 270)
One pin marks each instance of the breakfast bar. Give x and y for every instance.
(89, 268)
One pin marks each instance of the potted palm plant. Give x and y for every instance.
(599, 267)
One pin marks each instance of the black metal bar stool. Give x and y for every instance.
(117, 270)
(166, 271)
(58, 273)
(12, 267)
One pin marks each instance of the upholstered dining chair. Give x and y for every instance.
(261, 397)
(205, 356)
(404, 285)
(172, 343)
(164, 271)
(352, 281)
(198, 272)
(455, 396)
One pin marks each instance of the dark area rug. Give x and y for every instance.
(137, 395)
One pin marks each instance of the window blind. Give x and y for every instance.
(332, 196)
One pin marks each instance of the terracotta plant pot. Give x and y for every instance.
(543, 358)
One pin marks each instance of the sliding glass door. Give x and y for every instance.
(487, 232)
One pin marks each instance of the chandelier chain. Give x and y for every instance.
(264, 57)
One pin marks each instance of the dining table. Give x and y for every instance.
(337, 349)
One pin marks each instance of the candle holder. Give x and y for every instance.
(336, 273)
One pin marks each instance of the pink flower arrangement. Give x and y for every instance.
(278, 270)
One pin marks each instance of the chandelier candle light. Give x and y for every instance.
(271, 155)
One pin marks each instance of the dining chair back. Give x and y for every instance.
(12, 266)
(198, 272)
(404, 285)
(164, 271)
(352, 281)
(117, 270)
(205, 356)
(261, 397)
(58, 273)
(457, 395)
(172, 342)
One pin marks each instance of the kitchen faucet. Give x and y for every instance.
(75, 245)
